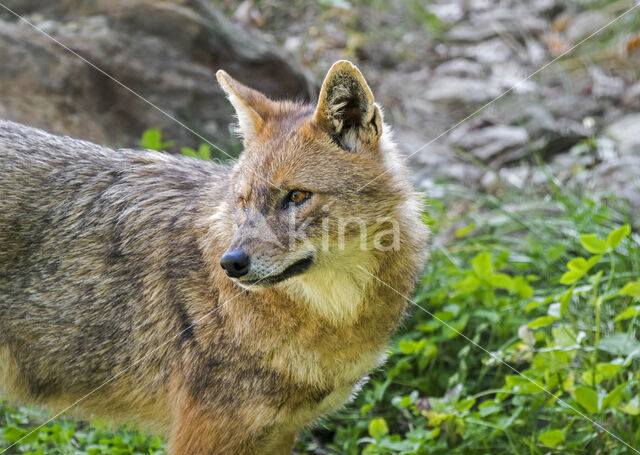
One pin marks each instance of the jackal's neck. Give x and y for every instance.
(335, 289)
(357, 285)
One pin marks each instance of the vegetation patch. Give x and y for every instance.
(522, 339)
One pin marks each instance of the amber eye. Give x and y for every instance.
(243, 203)
(298, 196)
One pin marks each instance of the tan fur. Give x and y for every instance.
(112, 293)
(9, 375)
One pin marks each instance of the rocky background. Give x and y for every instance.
(467, 84)
(165, 51)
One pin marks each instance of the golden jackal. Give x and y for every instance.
(225, 307)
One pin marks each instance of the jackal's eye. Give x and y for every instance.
(243, 203)
(298, 196)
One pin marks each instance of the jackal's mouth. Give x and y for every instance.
(294, 269)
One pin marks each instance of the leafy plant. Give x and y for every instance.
(21, 426)
(203, 152)
(152, 139)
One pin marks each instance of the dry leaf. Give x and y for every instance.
(560, 23)
(632, 45)
(556, 45)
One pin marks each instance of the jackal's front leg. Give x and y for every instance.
(279, 443)
(199, 430)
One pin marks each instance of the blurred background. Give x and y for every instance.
(431, 64)
(521, 122)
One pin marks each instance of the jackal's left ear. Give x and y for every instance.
(346, 109)
(251, 106)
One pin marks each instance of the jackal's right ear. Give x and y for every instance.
(251, 106)
(346, 109)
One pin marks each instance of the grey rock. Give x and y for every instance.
(168, 52)
(461, 67)
(495, 145)
(549, 134)
(631, 98)
(512, 76)
(537, 120)
(457, 171)
(516, 176)
(461, 90)
(570, 104)
(620, 178)
(626, 133)
(473, 32)
(585, 24)
(569, 167)
(549, 8)
(494, 50)
(604, 85)
(448, 12)
(606, 149)
(537, 52)
(513, 20)
(476, 6)
(426, 154)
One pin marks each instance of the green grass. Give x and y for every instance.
(545, 286)
(68, 437)
(511, 285)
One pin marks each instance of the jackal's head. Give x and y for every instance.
(317, 189)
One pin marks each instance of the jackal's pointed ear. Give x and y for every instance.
(251, 106)
(346, 109)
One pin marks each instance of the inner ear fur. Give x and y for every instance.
(346, 109)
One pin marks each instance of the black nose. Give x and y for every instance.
(235, 263)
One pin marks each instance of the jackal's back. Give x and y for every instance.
(84, 230)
